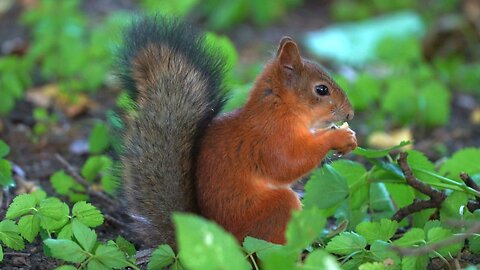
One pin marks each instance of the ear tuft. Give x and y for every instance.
(288, 53)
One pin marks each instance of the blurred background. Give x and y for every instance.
(411, 68)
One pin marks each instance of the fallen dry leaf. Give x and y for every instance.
(380, 139)
(475, 116)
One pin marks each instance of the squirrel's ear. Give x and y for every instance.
(288, 53)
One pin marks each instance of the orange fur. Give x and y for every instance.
(249, 157)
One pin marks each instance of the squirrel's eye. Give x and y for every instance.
(322, 90)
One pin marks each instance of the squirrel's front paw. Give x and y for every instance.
(343, 140)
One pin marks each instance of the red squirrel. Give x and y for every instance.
(235, 168)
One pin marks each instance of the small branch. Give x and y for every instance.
(17, 254)
(436, 197)
(82, 181)
(472, 205)
(438, 245)
(143, 256)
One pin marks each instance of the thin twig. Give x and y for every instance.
(472, 205)
(436, 197)
(143, 256)
(438, 245)
(82, 181)
(18, 254)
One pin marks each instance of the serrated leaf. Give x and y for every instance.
(346, 243)
(39, 195)
(66, 250)
(53, 214)
(413, 237)
(465, 160)
(452, 205)
(21, 205)
(161, 258)
(87, 214)
(261, 247)
(10, 236)
(383, 230)
(4, 149)
(354, 173)
(85, 237)
(110, 256)
(324, 179)
(29, 226)
(378, 153)
(282, 259)
(96, 265)
(304, 227)
(205, 245)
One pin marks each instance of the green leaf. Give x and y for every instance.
(66, 267)
(375, 153)
(304, 227)
(415, 262)
(66, 250)
(39, 195)
(372, 266)
(87, 214)
(161, 258)
(110, 257)
(64, 184)
(383, 230)
(53, 214)
(66, 232)
(452, 205)
(261, 247)
(5, 172)
(355, 174)
(4, 149)
(324, 179)
(125, 246)
(9, 235)
(1, 253)
(99, 138)
(205, 245)
(434, 103)
(85, 237)
(437, 234)
(95, 165)
(411, 238)
(21, 205)
(383, 251)
(282, 259)
(465, 160)
(346, 243)
(29, 226)
(320, 259)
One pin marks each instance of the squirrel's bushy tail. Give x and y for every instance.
(175, 81)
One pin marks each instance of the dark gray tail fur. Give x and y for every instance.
(176, 83)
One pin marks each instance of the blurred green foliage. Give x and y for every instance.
(408, 90)
(222, 15)
(14, 79)
(67, 49)
(343, 10)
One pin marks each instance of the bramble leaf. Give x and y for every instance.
(21, 205)
(87, 214)
(66, 250)
(161, 257)
(346, 243)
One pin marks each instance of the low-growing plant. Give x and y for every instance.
(14, 79)
(5, 165)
